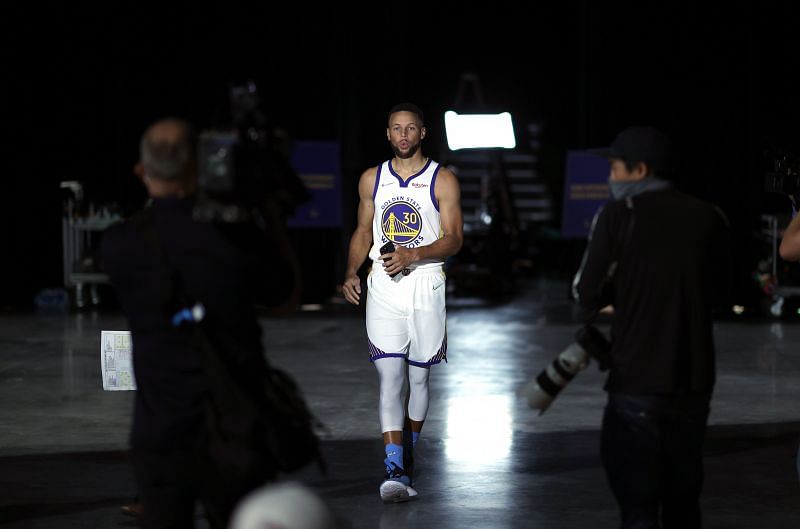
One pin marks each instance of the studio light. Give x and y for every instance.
(479, 131)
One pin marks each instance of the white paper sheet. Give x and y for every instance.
(116, 361)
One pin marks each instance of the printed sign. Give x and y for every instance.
(116, 361)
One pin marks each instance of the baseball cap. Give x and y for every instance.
(641, 143)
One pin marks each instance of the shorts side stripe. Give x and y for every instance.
(376, 353)
(440, 355)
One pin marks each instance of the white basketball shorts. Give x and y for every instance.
(406, 316)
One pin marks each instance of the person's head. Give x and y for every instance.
(637, 153)
(167, 158)
(283, 506)
(406, 129)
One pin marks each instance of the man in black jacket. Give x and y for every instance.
(655, 258)
(229, 268)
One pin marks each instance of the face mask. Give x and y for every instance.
(621, 190)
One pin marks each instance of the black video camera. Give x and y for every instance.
(242, 167)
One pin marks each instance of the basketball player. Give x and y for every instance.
(413, 203)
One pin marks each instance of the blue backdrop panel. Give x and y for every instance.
(318, 164)
(585, 190)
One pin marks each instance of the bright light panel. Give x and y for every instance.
(479, 131)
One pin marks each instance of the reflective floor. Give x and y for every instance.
(485, 459)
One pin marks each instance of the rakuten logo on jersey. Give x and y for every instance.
(418, 186)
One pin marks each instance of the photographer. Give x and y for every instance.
(655, 255)
(229, 268)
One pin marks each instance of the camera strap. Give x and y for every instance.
(623, 242)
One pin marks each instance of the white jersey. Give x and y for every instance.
(406, 212)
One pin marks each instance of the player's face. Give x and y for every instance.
(405, 133)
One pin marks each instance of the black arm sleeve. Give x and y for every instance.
(587, 286)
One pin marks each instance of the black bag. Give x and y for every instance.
(273, 428)
(290, 437)
(248, 433)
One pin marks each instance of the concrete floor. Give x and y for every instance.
(485, 460)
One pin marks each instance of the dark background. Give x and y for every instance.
(82, 83)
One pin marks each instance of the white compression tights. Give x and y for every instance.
(392, 374)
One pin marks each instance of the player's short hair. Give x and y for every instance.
(408, 107)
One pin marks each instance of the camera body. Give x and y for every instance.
(240, 168)
(596, 345)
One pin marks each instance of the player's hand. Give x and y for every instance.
(351, 288)
(401, 257)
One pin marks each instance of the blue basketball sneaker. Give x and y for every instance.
(396, 487)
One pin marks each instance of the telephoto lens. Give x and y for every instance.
(545, 387)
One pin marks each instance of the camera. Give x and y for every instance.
(589, 342)
(242, 166)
